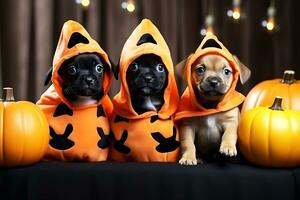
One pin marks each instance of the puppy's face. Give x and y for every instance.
(82, 76)
(147, 75)
(211, 77)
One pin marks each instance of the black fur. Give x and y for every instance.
(115, 69)
(147, 79)
(81, 78)
(48, 77)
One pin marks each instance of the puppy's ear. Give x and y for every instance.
(115, 68)
(48, 77)
(245, 71)
(180, 68)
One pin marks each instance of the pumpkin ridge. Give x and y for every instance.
(24, 140)
(289, 97)
(295, 90)
(250, 152)
(250, 137)
(1, 133)
(277, 88)
(269, 155)
(39, 118)
(291, 138)
(272, 90)
(257, 98)
(42, 118)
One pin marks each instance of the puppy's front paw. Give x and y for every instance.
(188, 161)
(228, 149)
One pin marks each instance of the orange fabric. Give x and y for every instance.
(140, 141)
(84, 119)
(139, 127)
(188, 105)
(130, 52)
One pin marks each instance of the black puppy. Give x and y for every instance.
(147, 79)
(82, 77)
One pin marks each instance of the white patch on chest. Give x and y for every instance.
(211, 121)
(149, 105)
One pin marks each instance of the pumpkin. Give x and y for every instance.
(270, 136)
(24, 132)
(264, 93)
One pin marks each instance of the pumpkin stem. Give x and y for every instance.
(8, 94)
(277, 104)
(288, 77)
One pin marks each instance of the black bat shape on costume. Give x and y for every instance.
(104, 139)
(166, 144)
(61, 141)
(119, 144)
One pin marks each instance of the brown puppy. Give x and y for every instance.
(206, 136)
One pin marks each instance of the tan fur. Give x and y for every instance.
(199, 134)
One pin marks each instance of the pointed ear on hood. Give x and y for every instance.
(245, 72)
(145, 39)
(74, 40)
(48, 77)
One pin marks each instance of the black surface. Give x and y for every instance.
(108, 180)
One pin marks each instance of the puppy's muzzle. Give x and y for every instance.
(89, 80)
(148, 78)
(214, 82)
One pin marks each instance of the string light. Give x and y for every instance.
(270, 23)
(208, 30)
(235, 13)
(84, 3)
(128, 5)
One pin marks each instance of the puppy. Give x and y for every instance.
(147, 79)
(76, 104)
(82, 78)
(206, 136)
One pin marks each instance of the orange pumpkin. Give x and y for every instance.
(270, 136)
(24, 132)
(264, 93)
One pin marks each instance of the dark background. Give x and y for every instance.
(30, 31)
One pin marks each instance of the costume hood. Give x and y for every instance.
(85, 128)
(189, 106)
(145, 39)
(74, 40)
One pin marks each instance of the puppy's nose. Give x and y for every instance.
(148, 78)
(89, 80)
(214, 81)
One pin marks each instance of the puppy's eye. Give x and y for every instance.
(72, 70)
(226, 71)
(160, 68)
(99, 68)
(201, 69)
(134, 67)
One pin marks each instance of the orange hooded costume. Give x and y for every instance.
(150, 136)
(188, 105)
(77, 132)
